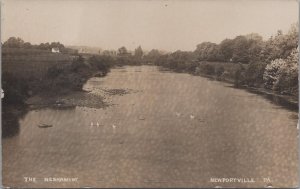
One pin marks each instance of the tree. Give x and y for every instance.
(14, 42)
(138, 52)
(56, 45)
(226, 50)
(255, 45)
(281, 45)
(27, 45)
(291, 40)
(240, 50)
(152, 56)
(206, 51)
(122, 51)
(44, 46)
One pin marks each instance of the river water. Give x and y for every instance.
(168, 130)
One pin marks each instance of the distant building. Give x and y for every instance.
(55, 50)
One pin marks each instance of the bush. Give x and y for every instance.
(207, 69)
(272, 72)
(282, 74)
(239, 76)
(62, 79)
(219, 71)
(78, 65)
(101, 63)
(254, 74)
(190, 67)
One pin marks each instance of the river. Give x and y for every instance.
(166, 130)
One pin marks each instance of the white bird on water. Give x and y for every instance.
(178, 114)
(92, 124)
(192, 116)
(97, 124)
(114, 126)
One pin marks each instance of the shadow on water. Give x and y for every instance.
(286, 102)
(11, 115)
(280, 100)
(10, 119)
(283, 101)
(277, 99)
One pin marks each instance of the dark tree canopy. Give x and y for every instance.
(14, 42)
(122, 51)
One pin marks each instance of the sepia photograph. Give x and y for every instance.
(149, 93)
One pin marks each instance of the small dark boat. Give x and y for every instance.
(44, 126)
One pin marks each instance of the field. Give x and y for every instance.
(24, 63)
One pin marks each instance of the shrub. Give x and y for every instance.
(78, 64)
(101, 63)
(254, 74)
(282, 74)
(239, 76)
(190, 67)
(272, 72)
(208, 69)
(219, 71)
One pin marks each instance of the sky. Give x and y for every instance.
(161, 24)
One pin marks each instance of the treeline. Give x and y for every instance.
(124, 57)
(245, 60)
(16, 42)
(249, 48)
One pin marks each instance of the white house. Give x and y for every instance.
(55, 50)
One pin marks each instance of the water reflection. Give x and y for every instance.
(286, 102)
(10, 119)
(12, 114)
(277, 99)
